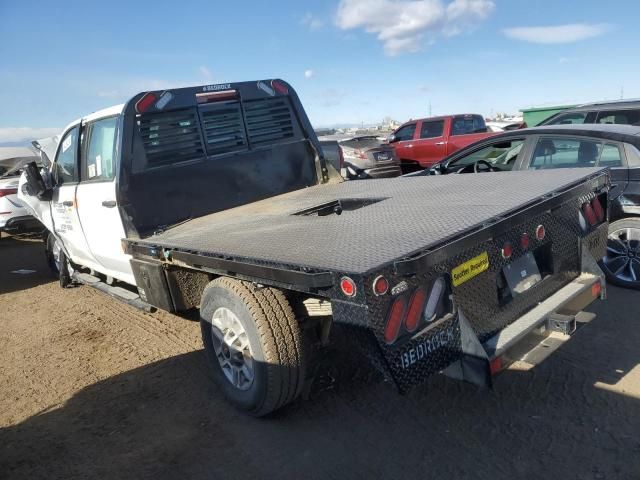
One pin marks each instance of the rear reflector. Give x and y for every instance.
(507, 251)
(221, 96)
(348, 286)
(394, 322)
(597, 209)
(8, 191)
(415, 309)
(145, 102)
(380, 286)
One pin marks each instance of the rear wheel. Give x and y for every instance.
(621, 264)
(253, 343)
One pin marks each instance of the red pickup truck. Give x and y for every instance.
(422, 143)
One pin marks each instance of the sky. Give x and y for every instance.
(351, 61)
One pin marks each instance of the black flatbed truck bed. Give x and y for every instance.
(382, 222)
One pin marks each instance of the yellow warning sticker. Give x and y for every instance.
(469, 269)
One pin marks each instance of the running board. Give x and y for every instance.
(119, 293)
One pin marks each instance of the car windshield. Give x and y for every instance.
(500, 155)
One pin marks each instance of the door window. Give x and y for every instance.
(561, 152)
(405, 133)
(468, 124)
(501, 155)
(66, 165)
(569, 119)
(432, 129)
(626, 117)
(98, 152)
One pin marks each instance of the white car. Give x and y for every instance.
(14, 217)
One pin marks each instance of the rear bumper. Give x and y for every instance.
(535, 335)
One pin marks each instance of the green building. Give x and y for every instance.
(534, 115)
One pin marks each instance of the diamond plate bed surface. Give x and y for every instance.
(413, 213)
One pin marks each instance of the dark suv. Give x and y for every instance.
(626, 112)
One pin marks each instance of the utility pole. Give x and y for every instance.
(429, 107)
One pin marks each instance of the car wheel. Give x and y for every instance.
(621, 263)
(253, 344)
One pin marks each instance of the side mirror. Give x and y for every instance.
(35, 186)
(391, 138)
(436, 169)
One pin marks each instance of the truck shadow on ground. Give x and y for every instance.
(167, 420)
(26, 254)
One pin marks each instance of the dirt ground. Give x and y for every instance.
(91, 388)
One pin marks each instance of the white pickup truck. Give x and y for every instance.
(218, 198)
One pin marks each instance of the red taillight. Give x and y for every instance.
(524, 241)
(589, 214)
(361, 154)
(596, 289)
(380, 286)
(145, 102)
(279, 87)
(597, 209)
(540, 232)
(348, 286)
(507, 251)
(415, 309)
(394, 322)
(495, 365)
(8, 191)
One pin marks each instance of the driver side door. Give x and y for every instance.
(64, 206)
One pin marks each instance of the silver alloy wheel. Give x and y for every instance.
(623, 254)
(231, 344)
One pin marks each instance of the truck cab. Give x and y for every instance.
(422, 143)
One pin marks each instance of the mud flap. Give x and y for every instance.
(473, 366)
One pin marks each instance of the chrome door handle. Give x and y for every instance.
(440, 143)
(67, 203)
(409, 146)
(109, 203)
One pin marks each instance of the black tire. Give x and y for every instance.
(48, 251)
(62, 274)
(622, 259)
(274, 337)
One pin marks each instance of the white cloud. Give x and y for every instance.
(206, 73)
(312, 22)
(573, 32)
(25, 134)
(401, 25)
(309, 74)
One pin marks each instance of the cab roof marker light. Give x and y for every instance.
(435, 296)
(279, 87)
(145, 102)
